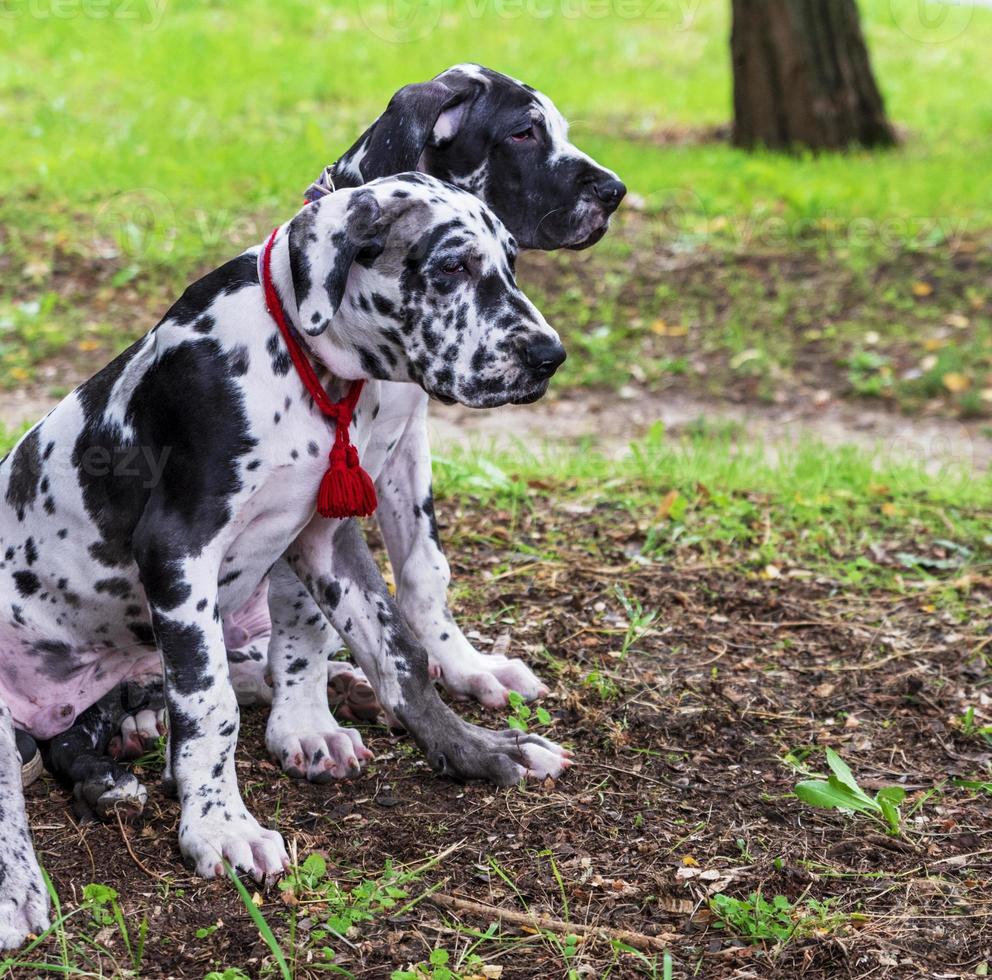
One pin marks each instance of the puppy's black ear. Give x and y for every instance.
(325, 239)
(427, 113)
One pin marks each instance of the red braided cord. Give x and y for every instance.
(340, 411)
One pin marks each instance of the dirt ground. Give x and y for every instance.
(680, 788)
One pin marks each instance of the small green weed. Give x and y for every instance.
(437, 967)
(522, 713)
(638, 621)
(264, 929)
(346, 906)
(105, 910)
(605, 688)
(976, 785)
(968, 727)
(647, 964)
(758, 920)
(840, 791)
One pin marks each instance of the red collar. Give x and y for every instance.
(346, 489)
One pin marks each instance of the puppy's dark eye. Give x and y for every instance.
(453, 268)
(523, 135)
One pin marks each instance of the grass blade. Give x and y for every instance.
(264, 929)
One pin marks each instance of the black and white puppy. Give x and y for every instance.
(105, 568)
(508, 145)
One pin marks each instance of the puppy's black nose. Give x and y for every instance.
(610, 191)
(544, 357)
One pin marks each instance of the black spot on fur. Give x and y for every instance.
(25, 472)
(237, 274)
(184, 651)
(238, 361)
(119, 587)
(427, 506)
(26, 583)
(280, 356)
(199, 463)
(332, 594)
(383, 306)
(142, 632)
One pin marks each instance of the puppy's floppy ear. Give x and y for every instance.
(427, 113)
(325, 239)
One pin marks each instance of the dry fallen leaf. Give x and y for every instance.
(666, 505)
(922, 289)
(956, 382)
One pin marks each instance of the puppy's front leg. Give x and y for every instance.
(23, 896)
(333, 561)
(302, 733)
(409, 529)
(203, 711)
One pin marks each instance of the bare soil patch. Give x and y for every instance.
(680, 787)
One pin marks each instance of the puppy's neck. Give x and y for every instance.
(329, 350)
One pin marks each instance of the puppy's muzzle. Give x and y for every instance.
(542, 357)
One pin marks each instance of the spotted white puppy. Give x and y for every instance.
(509, 145)
(156, 497)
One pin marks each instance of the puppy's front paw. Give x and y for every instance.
(23, 898)
(350, 693)
(466, 751)
(487, 678)
(114, 790)
(312, 745)
(237, 836)
(139, 733)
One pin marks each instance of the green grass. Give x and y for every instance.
(140, 149)
(866, 519)
(225, 109)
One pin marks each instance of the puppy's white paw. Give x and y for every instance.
(467, 675)
(23, 898)
(350, 694)
(310, 744)
(236, 836)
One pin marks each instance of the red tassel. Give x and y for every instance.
(346, 490)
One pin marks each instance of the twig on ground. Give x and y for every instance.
(130, 850)
(638, 940)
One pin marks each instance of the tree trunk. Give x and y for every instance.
(802, 77)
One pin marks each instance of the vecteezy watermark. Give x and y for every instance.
(143, 223)
(126, 462)
(680, 12)
(133, 462)
(400, 21)
(932, 21)
(146, 14)
(134, 223)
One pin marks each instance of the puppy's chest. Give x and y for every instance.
(293, 440)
